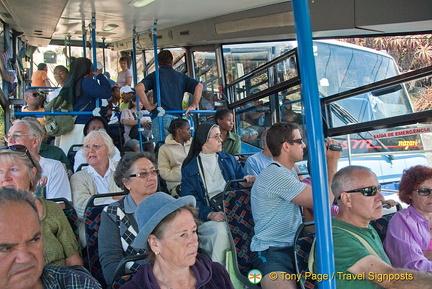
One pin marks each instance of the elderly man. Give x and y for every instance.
(21, 249)
(54, 182)
(360, 259)
(276, 198)
(34, 102)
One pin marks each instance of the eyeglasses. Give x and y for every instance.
(216, 136)
(19, 148)
(95, 146)
(298, 140)
(367, 191)
(15, 136)
(36, 94)
(144, 175)
(424, 192)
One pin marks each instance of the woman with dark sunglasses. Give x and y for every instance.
(18, 169)
(408, 242)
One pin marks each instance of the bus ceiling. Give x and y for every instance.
(225, 21)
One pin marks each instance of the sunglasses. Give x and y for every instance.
(19, 148)
(36, 94)
(424, 192)
(367, 191)
(144, 175)
(298, 140)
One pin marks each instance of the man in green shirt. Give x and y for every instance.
(360, 260)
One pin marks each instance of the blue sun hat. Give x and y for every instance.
(152, 210)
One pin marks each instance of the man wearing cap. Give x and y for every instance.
(173, 85)
(21, 249)
(167, 230)
(360, 260)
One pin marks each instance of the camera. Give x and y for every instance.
(333, 147)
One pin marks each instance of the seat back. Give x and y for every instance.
(92, 218)
(380, 225)
(237, 208)
(122, 274)
(72, 152)
(302, 247)
(70, 214)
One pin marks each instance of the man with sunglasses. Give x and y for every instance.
(34, 102)
(360, 260)
(54, 182)
(276, 198)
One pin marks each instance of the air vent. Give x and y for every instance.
(186, 32)
(37, 31)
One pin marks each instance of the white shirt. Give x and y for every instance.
(55, 178)
(102, 182)
(214, 180)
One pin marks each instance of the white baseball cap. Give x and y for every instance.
(126, 89)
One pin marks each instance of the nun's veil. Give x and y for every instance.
(71, 90)
(200, 138)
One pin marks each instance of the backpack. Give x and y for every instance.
(57, 125)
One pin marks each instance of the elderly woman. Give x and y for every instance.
(408, 241)
(20, 170)
(173, 152)
(205, 172)
(97, 177)
(135, 174)
(169, 232)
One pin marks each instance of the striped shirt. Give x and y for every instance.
(276, 217)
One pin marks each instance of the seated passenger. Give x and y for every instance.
(22, 248)
(135, 174)
(357, 247)
(172, 154)
(276, 197)
(409, 229)
(20, 170)
(54, 182)
(259, 161)
(94, 124)
(169, 232)
(97, 177)
(129, 118)
(205, 172)
(231, 143)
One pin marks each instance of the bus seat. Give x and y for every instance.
(92, 215)
(122, 274)
(72, 152)
(302, 246)
(81, 166)
(238, 212)
(380, 225)
(70, 214)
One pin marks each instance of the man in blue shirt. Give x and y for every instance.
(173, 85)
(21, 248)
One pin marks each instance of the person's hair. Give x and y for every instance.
(176, 124)
(165, 57)
(95, 118)
(125, 58)
(263, 139)
(277, 134)
(34, 127)
(12, 195)
(62, 68)
(42, 66)
(343, 178)
(221, 113)
(159, 230)
(123, 170)
(411, 180)
(105, 138)
(7, 155)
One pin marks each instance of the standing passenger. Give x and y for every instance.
(40, 77)
(125, 75)
(83, 91)
(173, 85)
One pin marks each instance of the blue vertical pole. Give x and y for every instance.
(94, 46)
(156, 63)
(103, 53)
(135, 79)
(84, 38)
(316, 149)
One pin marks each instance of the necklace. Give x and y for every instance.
(212, 176)
(208, 163)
